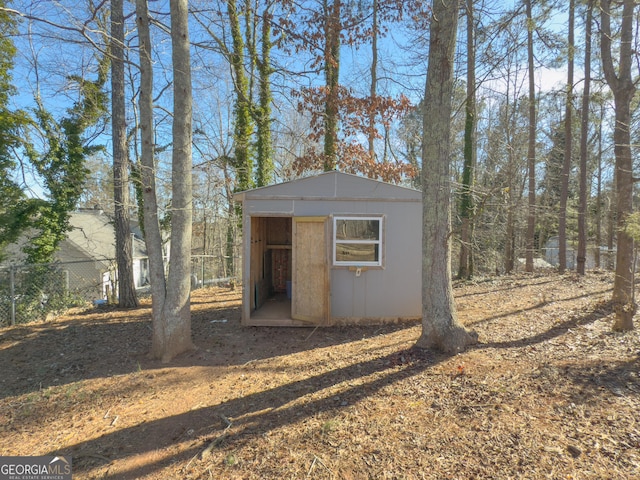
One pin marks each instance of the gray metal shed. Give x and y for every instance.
(331, 249)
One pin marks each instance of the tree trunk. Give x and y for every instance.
(611, 224)
(512, 202)
(568, 148)
(332, 73)
(510, 237)
(176, 314)
(465, 269)
(599, 189)
(264, 145)
(584, 145)
(242, 110)
(623, 88)
(441, 329)
(152, 234)
(624, 303)
(373, 90)
(531, 155)
(124, 245)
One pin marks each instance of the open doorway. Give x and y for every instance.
(271, 267)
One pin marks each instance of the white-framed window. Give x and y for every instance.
(357, 240)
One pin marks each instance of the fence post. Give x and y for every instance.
(12, 293)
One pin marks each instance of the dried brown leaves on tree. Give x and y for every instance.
(334, 104)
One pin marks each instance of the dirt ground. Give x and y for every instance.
(549, 392)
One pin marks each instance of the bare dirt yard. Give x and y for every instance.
(549, 392)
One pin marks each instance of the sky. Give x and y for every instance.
(59, 61)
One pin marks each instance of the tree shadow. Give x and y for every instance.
(259, 413)
(491, 287)
(531, 308)
(619, 378)
(225, 344)
(509, 313)
(602, 311)
(34, 357)
(250, 415)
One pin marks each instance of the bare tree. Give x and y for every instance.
(152, 233)
(171, 312)
(373, 90)
(568, 144)
(332, 27)
(584, 141)
(124, 245)
(264, 142)
(177, 310)
(465, 269)
(531, 152)
(440, 326)
(624, 89)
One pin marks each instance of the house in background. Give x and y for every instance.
(552, 254)
(331, 249)
(87, 256)
(90, 247)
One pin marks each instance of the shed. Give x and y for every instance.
(331, 249)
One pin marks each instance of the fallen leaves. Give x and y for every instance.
(549, 392)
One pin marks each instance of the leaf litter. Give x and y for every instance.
(549, 392)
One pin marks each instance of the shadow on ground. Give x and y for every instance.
(250, 417)
(92, 345)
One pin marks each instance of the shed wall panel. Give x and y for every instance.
(387, 293)
(268, 207)
(394, 291)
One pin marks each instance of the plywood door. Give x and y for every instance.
(310, 278)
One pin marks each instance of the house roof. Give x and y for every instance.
(332, 186)
(94, 234)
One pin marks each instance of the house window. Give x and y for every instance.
(357, 241)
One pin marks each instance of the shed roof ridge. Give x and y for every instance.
(336, 177)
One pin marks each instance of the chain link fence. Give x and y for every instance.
(36, 292)
(33, 292)
(211, 270)
(597, 257)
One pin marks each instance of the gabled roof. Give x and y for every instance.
(92, 236)
(332, 186)
(93, 233)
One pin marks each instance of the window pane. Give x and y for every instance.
(356, 252)
(357, 229)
